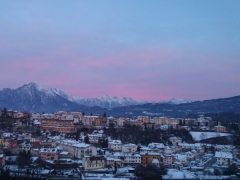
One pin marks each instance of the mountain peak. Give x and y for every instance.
(38, 93)
(176, 101)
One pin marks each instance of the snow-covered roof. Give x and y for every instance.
(180, 156)
(155, 161)
(64, 153)
(156, 145)
(75, 143)
(223, 155)
(130, 144)
(176, 174)
(115, 142)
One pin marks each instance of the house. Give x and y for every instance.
(175, 140)
(48, 143)
(58, 124)
(220, 128)
(10, 113)
(190, 155)
(131, 158)
(89, 120)
(35, 116)
(115, 145)
(113, 161)
(129, 148)
(153, 147)
(49, 153)
(143, 119)
(224, 158)
(98, 121)
(180, 158)
(13, 144)
(110, 120)
(2, 160)
(174, 125)
(17, 114)
(93, 138)
(148, 126)
(25, 146)
(94, 162)
(64, 154)
(155, 162)
(168, 159)
(121, 121)
(148, 157)
(78, 149)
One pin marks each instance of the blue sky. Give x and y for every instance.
(153, 50)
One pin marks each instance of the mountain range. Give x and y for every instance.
(34, 97)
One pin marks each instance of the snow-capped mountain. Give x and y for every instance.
(176, 101)
(36, 97)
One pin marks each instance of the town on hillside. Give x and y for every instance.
(75, 145)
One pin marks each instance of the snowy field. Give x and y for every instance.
(205, 135)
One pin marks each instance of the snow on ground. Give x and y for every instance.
(205, 135)
(176, 174)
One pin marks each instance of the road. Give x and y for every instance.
(210, 163)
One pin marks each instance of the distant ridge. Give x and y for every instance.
(176, 101)
(36, 97)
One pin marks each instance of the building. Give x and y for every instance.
(93, 138)
(161, 120)
(49, 153)
(115, 145)
(143, 119)
(148, 157)
(77, 149)
(98, 121)
(2, 160)
(17, 114)
(113, 161)
(25, 146)
(13, 144)
(168, 159)
(94, 162)
(129, 148)
(174, 125)
(180, 158)
(220, 128)
(59, 125)
(131, 158)
(224, 158)
(89, 120)
(175, 140)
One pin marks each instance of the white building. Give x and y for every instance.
(180, 158)
(130, 158)
(78, 149)
(115, 145)
(224, 158)
(129, 148)
(89, 120)
(93, 138)
(94, 162)
(175, 140)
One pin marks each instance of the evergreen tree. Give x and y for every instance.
(180, 122)
(4, 112)
(104, 115)
(86, 140)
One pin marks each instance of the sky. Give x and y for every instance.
(149, 50)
